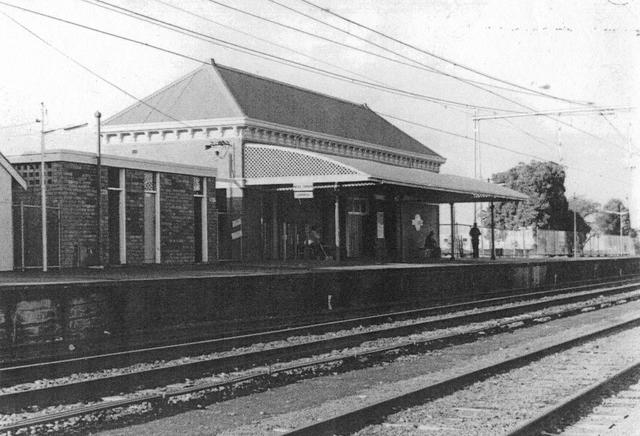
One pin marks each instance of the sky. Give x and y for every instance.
(579, 50)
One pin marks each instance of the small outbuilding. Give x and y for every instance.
(149, 211)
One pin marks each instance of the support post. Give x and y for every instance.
(453, 231)
(493, 233)
(22, 235)
(337, 223)
(99, 194)
(575, 235)
(43, 191)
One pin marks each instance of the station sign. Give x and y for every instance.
(302, 191)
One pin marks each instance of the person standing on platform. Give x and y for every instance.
(475, 239)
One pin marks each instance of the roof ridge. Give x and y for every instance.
(289, 85)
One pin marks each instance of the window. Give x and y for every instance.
(357, 206)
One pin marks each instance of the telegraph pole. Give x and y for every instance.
(98, 194)
(43, 189)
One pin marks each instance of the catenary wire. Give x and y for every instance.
(490, 144)
(442, 58)
(415, 64)
(90, 71)
(202, 62)
(279, 59)
(568, 124)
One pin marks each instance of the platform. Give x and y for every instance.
(68, 308)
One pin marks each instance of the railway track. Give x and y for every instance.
(606, 404)
(95, 389)
(479, 401)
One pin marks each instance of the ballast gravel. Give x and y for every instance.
(288, 407)
(540, 316)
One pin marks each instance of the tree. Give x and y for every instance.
(546, 208)
(609, 223)
(584, 206)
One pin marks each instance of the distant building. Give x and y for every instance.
(290, 159)
(10, 180)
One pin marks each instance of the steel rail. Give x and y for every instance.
(164, 375)
(556, 416)
(52, 369)
(360, 417)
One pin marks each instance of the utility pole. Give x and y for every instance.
(98, 194)
(43, 189)
(575, 229)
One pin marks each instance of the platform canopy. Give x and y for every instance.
(273, 165)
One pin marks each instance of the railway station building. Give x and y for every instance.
(292, 163)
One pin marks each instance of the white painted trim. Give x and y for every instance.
(157, 235)
(123, 217)
(251, 123)
(116, 161)
(204, 219)
(173, 125)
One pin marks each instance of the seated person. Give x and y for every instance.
(431, 249)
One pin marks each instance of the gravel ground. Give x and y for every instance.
(304, 402)
(618, 415)
(497, 405)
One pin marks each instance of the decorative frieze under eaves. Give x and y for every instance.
(260, 132)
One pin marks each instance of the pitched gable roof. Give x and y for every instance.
(4, 163)
(215, 91)
(200, 95)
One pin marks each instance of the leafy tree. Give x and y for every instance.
(609, 223)
(546, 208)
(584, 206)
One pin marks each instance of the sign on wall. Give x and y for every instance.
(380, 225)
(302, 191)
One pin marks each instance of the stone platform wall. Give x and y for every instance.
(74, 317)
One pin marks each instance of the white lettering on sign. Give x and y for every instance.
(302, 194)
(236, 235)
(236, 222)
(417, 222)
(303, 187)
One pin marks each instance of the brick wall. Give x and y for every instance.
(176, 219)
(72, 186)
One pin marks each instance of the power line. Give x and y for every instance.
(568, 124)
(11, 126)
(279, 59)
(266, 41)
(490, 144)
(472, 70)
(416, 64)
(442, 58)
(89, 70)
(199, 61)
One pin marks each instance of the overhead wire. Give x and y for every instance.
(279, 59)
(568, 124)
(415, 63)
(202, 62)
(442, 58)
(90, 71)
(266, 41)
(490, 144)
(11, 126)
